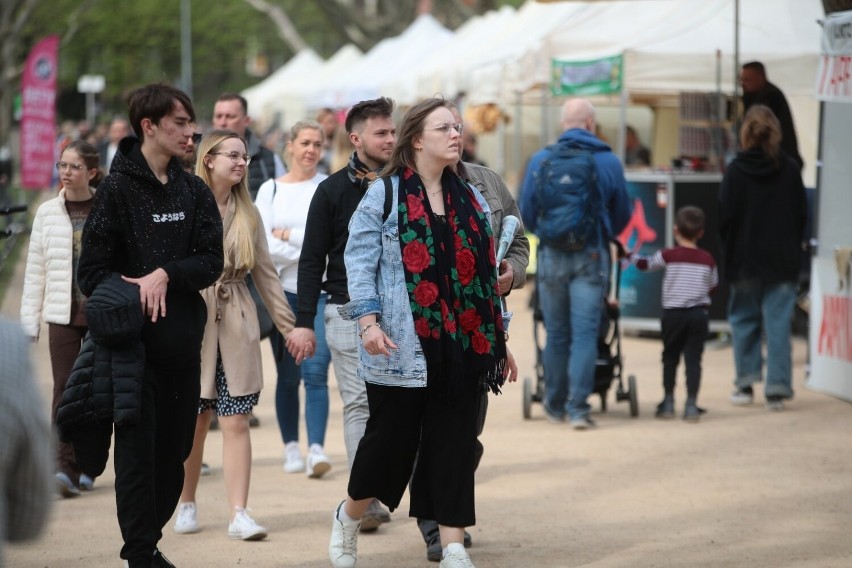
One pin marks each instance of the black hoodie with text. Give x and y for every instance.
(139, 224)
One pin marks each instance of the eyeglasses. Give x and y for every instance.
(235, 157)
(65, 165)
(445, 128)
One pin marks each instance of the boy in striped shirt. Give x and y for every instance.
(691, 277)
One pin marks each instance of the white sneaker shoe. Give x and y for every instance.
(243, 527)
(293, 462)
(187, 519)
(456, 557)
(318, 462)
(343, 546)
(86, 483)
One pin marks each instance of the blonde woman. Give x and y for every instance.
(51, 292)
(231, 374)
(283, 205)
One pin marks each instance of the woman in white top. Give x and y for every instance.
(283, 205)
(50, 285)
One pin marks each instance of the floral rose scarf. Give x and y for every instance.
(452, 283)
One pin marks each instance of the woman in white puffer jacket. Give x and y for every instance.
(50, 286)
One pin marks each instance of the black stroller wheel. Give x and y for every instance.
(634, 397)
(528, 398)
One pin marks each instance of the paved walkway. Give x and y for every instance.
(744, 487)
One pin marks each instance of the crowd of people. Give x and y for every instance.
(383, 265)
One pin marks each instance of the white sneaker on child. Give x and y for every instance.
(293, 462)
(318, 462)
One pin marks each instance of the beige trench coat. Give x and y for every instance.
(232, 320)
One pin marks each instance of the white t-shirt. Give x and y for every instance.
(285, 206)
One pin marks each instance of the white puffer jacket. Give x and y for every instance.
(48, 278)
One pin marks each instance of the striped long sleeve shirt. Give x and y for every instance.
(691, 275)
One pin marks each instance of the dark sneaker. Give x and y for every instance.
(254, 421)
(775, 403)
(434, 552)
(691, 412)
(665, 409)
(161, 561)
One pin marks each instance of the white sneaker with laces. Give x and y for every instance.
(293, 462)
(318, 462)
(243, 527)
(187, 519)
(456, 557)
(343, 546)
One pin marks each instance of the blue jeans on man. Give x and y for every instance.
(754, 308)
(571, 288)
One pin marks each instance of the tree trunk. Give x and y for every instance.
(286, 29)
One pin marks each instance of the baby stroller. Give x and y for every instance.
(608, 365)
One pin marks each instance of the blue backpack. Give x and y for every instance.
(567, 199)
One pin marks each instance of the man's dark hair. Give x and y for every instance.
(154, 102)
(689, 221)
(756, 66)
(366, 110)
(234, 97)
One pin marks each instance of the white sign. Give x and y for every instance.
(831, 325)
(91, 84)
(834, 76)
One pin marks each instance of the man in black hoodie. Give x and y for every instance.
(159, 227)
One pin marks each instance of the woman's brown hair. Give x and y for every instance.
(411, 127)
(761, 130)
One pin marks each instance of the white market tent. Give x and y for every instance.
(390, 59)
(261, 97)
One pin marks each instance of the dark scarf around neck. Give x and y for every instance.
(452, 283)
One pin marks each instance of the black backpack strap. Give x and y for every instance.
(388, 197)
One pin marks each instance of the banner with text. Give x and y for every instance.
(596, 77)
(834, 75)
(38, 114)
(831, 325)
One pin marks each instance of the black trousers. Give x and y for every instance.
(426, 431)
(684, 331)
(149, 458)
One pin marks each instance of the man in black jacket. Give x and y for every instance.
(231, 113)
(159, 227)
(373, 134)
(757, 90)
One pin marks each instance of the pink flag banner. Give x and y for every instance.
(38, 114)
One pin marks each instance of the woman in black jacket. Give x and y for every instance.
(762, 219)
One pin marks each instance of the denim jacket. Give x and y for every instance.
(376, 281)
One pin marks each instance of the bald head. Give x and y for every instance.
(578, 113)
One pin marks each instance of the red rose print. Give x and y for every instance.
(480, 343)
(458, 241)
(445, 311)
(466, 266)
(450, 325)
(470, 320)
(425, 293)
(436, 334)
(473, 224)
(416, 257)
(407, 173)
(421, 326)
(415, 207)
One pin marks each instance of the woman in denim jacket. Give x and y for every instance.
(423, 289)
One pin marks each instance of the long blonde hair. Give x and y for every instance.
(239, 240)
(761, 129)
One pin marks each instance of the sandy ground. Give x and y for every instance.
(744, 487)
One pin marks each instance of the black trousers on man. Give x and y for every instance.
(149, 458)
(684, 331)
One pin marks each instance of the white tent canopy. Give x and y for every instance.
(261, 97)
(390, 59)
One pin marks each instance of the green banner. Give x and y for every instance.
(596, 77)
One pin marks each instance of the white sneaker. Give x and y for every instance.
(243, 527)
(187, 519)
(86, 483)
(343, 546)
(293, 462)
(456, 557)
(318, 462)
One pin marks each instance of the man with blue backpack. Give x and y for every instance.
(574, 198)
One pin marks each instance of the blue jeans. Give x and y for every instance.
(756, 307)
(572, 287)
(314, 372)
